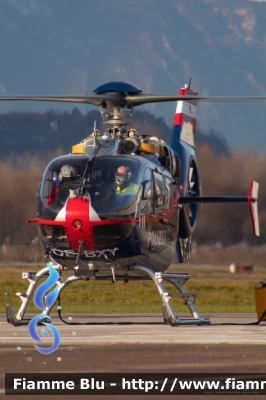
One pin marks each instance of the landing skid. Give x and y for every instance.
(169, 316)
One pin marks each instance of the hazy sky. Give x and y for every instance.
(69, 47)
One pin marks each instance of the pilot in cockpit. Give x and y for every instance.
(67, 174)
(123, 181)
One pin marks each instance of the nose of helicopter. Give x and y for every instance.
(84, 227)
(78, 226)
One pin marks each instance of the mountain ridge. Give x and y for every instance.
(56, 49)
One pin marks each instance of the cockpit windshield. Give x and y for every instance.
(111, 183)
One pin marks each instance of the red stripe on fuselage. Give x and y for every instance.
(178, 119)
(92, 223)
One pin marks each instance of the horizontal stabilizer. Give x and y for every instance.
(251, 199)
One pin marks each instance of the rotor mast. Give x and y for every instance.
(116, 116)
(118, 113)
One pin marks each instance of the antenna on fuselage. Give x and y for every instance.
(94, 134)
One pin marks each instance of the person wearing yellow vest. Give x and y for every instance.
(122, 177)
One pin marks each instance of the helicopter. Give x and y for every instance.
(123, 205)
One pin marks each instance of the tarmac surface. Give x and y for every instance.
(137, 344)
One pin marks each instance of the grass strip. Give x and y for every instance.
(217, 293)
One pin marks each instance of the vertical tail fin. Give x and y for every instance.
(183, 143)
(184, 128)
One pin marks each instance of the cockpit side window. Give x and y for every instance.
(59, 176)
(159, 195)
(146, 198)
(147, 184)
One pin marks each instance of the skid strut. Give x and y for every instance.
(33, 278)
(178, 280)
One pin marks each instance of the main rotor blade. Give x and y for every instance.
(154, 98)
(95, 99)
(120, 99)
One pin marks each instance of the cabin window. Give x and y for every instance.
(146, 200)
(167, 192)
